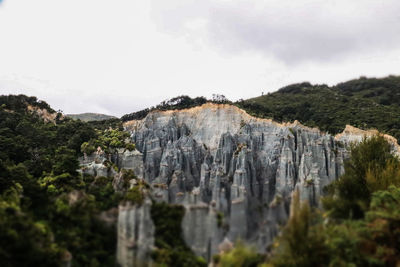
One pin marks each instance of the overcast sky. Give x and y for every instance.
(120, 56)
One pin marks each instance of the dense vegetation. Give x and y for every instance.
(359, 224)
(171, 248)
(20, 102)
(363, 103)
(180, 102)
(108, 140)
(48, 212)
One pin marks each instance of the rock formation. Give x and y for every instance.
(135, 235)
(233, 173)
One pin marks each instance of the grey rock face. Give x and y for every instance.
(135, 235)
(99, 164)
(135, 228)
(94, 164)
(233, 173)
(130, 160)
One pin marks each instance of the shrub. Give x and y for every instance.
(130, 146)
(239, 256)
(383, 226)
(171, 248)
(302, 242)
(88, 148)
(371, 166)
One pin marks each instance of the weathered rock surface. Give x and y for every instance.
(135, 235)
(100, 164)
(233, 173)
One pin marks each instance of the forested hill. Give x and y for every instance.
(363, 103)
(39, 223)
(20, 103)
(50, 214)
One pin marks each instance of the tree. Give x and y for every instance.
(240, 256)
(302, 242)
(371, 167)
(65, 161)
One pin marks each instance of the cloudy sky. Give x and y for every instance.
(119, 56)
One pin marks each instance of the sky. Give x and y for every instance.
(120, 56)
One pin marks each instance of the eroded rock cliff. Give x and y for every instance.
(233, 173)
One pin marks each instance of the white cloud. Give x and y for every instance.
(120, 56)
(290, 31)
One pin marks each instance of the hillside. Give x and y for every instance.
(363, 103)
(90, 117)
(173, 188)
(49, 212)
(366, 103)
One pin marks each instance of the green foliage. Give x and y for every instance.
(137, 193)
(127, 176)
(383, 91)
(20, 102)
(370, 186)
(171, 248)
(108, 140)
(345, 243)
(371, 167)
(88, 148)
(65, 161)
(47, 210)
(302, 242)
(383, 226)
(371, 241)
(104, 193)
(72, 134)
(382, 178)
(24, 241)
(106, 124)
(57, 184)
(220, 219)
(179, 102)
(77, 228)
(240, 256)
(130, 146)
(364, 103)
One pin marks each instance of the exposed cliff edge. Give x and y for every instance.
(233, 173)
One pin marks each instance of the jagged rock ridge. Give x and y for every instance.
(233, 173)
(219, 162)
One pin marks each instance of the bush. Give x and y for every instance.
(383, 226)
(302, 242)
(171, 248)
(88, 148)
(240, 256)
(130, 146)
(371, 167)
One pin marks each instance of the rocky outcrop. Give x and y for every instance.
(135, 228)
(233, 173)
(101, 164)
(135, 235)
